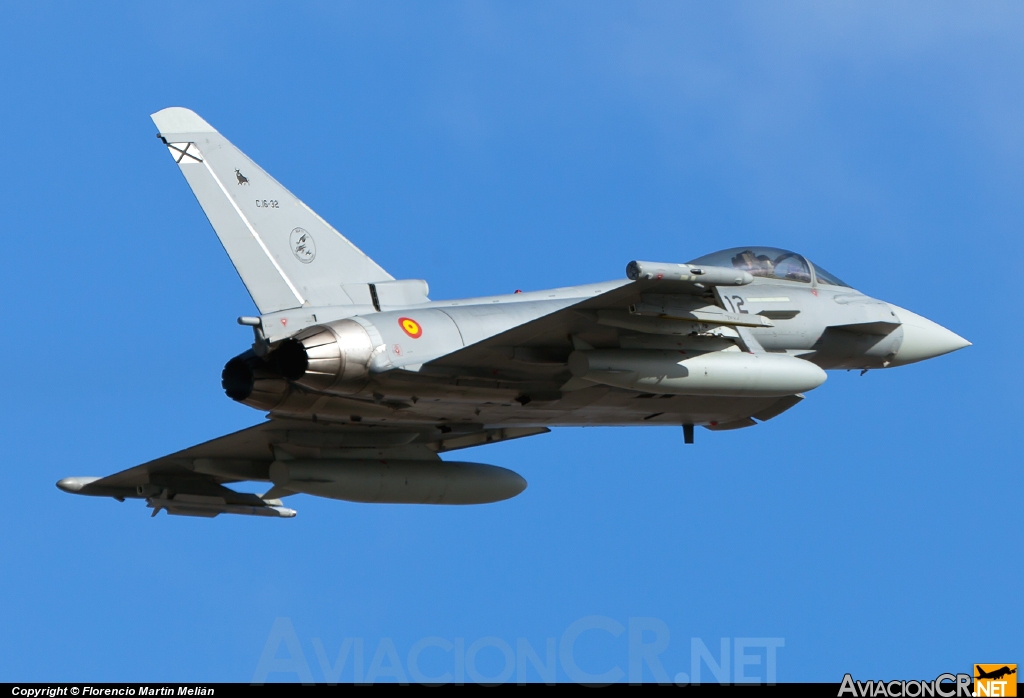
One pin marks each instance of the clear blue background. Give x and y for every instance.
(488, 147)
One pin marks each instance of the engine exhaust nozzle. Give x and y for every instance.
(332, 358)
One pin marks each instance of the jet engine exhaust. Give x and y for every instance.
(253, 381)
(327, 358)
(330, 358)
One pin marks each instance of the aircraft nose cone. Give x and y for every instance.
(923, 339)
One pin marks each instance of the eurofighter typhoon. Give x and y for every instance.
(366, 381)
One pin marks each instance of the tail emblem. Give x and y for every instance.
(303, 246)
(242, 179)
(184, 153)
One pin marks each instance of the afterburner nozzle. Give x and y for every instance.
(330, 358)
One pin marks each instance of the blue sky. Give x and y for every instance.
(488, 147)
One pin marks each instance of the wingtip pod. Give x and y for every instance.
(74, 485)
(180, 120)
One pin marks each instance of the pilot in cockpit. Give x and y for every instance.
(769, 262)
(758, 265)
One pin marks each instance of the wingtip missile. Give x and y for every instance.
(209, 507)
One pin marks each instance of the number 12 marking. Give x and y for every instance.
(735, 304)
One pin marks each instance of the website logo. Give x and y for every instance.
(995, 679)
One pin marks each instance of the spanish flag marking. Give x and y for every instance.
(410, 327)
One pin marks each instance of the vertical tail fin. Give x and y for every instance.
(286, 254)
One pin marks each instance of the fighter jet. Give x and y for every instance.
(366, 381)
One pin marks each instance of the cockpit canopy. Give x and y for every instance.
(771, 263)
